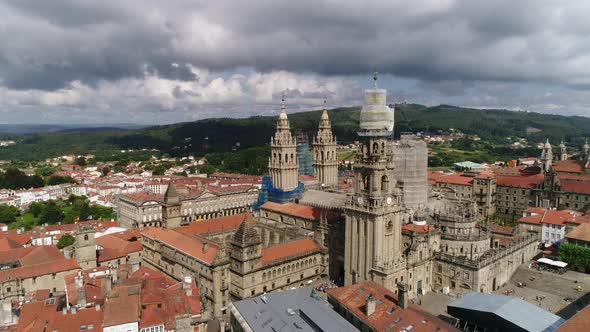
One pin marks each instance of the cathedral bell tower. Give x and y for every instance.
(282, 165)
(562, 151)
(546, 157)
(373, 247)
(324, 151)
(171, 217)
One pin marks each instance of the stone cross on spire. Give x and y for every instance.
(375, 79)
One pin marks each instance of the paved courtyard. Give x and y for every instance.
(560, 294)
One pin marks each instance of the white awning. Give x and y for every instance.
(551, 262)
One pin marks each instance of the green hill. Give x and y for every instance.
(223, 134)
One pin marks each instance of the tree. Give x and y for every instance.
(207, 169)
(52, 214)
(65, 240)
(105, 171)
(8, 214)
(80, 161)
(159, 170)
(57, 179)
(36, 208)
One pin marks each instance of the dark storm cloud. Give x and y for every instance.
(47, 44)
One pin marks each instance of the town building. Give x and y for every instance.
(371, 307)
(301, 308)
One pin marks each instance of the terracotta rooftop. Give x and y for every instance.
(577, 323)
(577, 187)
(520, 181)
(122, 305)
(116, 246)
(288, 249)
(215, 225)
(417, 228)
(387, 314)
(555, 217)
(580, 233)
(502, 230)
(455, 178)
(25, 272)
(302, 211)
(189, 245)
(537, 210)
(569, 166)
(143, 196)
(44, 316)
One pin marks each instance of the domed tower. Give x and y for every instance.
(373, 243)
(324, 151)
(282, 165)
(546, 157)
(562, 151)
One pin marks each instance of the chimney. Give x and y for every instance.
(64, 310)
(97, 307)
(402, 295)
(187, 285)
(370, 306)
(82, 297)
(109, 283)
(73, 310)
(205, 247)
(79, 280)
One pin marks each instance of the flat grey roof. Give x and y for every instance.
(324, 199)
(291, 310)
(512, 309)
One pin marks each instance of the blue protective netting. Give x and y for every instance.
(269, 193)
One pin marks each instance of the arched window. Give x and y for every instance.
(367, 184)
(322, 156)
(385, 183)
(264, 276)
(280, 158)
(292, 157)
(286, 157)
(383, 148)
(284, 270)
(375, 148)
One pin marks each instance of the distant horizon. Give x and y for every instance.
(246, 116)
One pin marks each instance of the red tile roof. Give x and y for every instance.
(288, 249)
(455, 178)
(520, 181)
(417, 228)
(302, 211)
(569, 166)
(25, 272)
(192, 246)
(216, 224)
(581, 233)
(116, 246)
(40, 316)
(555, 217)
(502, 230)
(537, 210)
(354, 298)
(577, 187)
(579, 322)
(122, 305)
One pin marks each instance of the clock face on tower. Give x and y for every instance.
(359, 200)
(389, 200)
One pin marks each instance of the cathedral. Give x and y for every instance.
(421, 243)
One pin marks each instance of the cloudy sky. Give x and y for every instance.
(149, 61)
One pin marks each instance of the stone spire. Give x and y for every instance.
(562, 151)
(283, 165)
(546, 156)
(171, 196)
(171, 217)
(246, 248)
(324, 151)
(246, 234)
